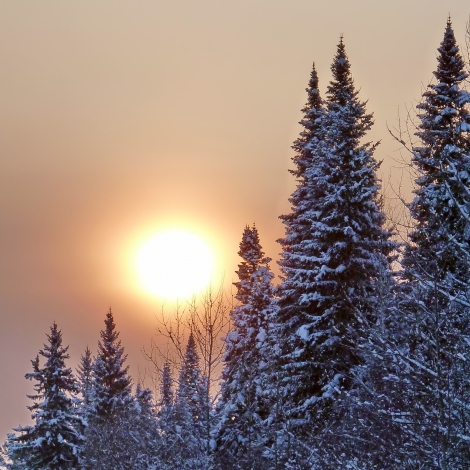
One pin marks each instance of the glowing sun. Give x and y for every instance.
(175, 264)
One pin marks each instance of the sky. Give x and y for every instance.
(122, 118)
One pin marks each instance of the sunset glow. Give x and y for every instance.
(213, 168)
(175, 264)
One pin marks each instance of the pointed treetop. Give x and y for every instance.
(113, 384)
(109, 334)
(313, 100)
(87, 357)
(189, 373)
(250, 248)
(55, 344)
(191, 346)
(166, 386)
(341, 88)
(55, 333)
(252, 256)
(86, 364)
(450, 63)
(311, 122)
(312, 107)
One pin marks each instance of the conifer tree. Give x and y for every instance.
(242, 406)
(434, 354)
(298, 262)
(189, 383)
(441, 207)
(113, 389)
(190, 410)
(144, 431)
(332, 256)
(169, 443)
(304, 145)
(167, 403)
(108, 440)
(85, 381)
(297, 222)
(166, 388)
(54, 440)
(413, 409)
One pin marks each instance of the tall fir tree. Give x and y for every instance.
(144, 431)
(242, 407)
(441, 207)
(168, 451)
(191, 404)
(113, 385)
(190, 380)
(333, 255)
(413, 410)
(85, 381)
(297, 222)
(108, 434)
(435, 352)
(54, 440)
(166, 387)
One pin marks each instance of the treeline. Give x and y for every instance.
(359, 359)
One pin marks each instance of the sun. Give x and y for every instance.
(175, 264)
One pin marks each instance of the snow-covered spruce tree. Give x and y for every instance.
(305, 153)
(333, 253)
(54, 440)
(298, 221)
(441, 206)
(298, 234)
(190, 382)
(435, 301)
(190, 411)
(113, 385)
(168, 449)
(166, 387)
(85, 382)
(108, 441)
(144, 431)
(242, 407)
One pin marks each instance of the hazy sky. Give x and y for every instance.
(118, 118)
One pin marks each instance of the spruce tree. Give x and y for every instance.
(190, 381)
(242, 408)
(110, 419)
(304, 145)
(441, 207)
(144, 431)
(413, 409)
(54, 440)
(191, 410)
(166, 387)
(85, 381)
(297, 222)
(112, 389)
(167, 452)
(333, 255)
(435, 352)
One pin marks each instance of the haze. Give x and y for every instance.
(118, 118)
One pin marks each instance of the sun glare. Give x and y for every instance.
(175, 264)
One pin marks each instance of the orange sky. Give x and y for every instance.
(120, 117)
